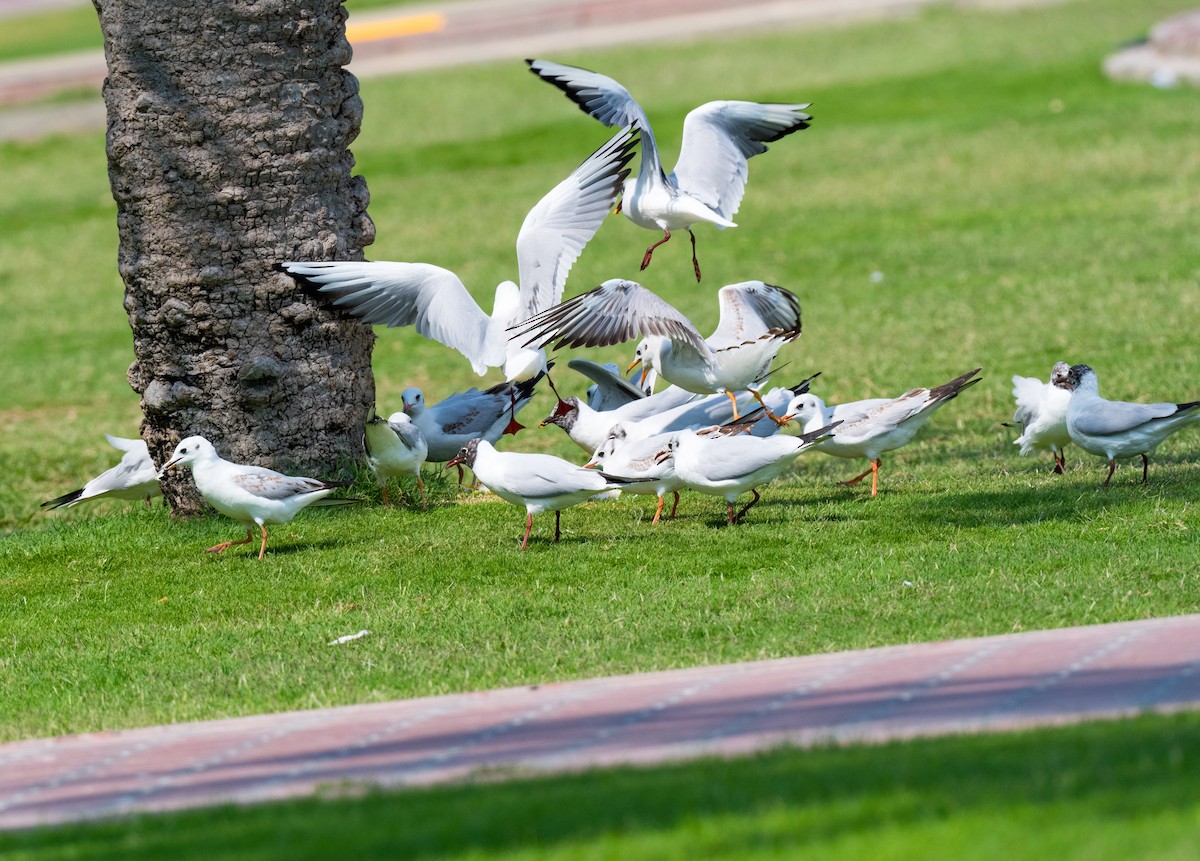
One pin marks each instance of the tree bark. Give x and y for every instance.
(228, 128)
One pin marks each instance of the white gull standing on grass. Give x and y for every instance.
(869, 428)
(395, 447)
(1117, 429)
(535, 482)
(709, 179)
(251, 495)
(135, 477)
(1042, 414)
(756, 320)
(638, 460)
(433, 299)
(729, 465)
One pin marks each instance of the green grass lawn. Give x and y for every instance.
(1019, 208)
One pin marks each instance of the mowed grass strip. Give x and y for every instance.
(1017, 207)
(1100, 792)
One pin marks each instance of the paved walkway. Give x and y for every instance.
(406, 38)
(988, 684)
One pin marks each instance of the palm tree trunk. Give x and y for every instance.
(228, 128)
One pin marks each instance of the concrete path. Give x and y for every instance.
(988, 684)
(407, 38)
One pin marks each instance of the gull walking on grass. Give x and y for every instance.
(639, 461)
(536, 482)
(729, 465)
(251, 495)
(869, 428)
(135, 477)
(1118, 429)
(709, 179)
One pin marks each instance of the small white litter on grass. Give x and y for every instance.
(348, 638)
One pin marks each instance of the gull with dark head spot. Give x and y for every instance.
(709, 179)
(251, 495)
(451, 422)
(133, 478)
(1118, 429)
(638, 461)
(536, 482)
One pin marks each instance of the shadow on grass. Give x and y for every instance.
(1093, 775)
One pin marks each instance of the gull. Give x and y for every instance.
(450, 423)
(395, 447)
(436, 301)
(756, 320)
(251, 495)
(1114, 429)
(637, 460)
(588, 428)
(869, 428)
(537, 482)
(133, 478)
(709, 179)
(730, 465)
(1042, 414)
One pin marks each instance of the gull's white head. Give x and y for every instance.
(188, 452)
(803, 408)
(649, 355)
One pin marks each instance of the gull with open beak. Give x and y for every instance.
(1042, 414)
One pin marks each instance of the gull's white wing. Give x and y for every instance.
(270, 484)
(719, 137)
(1099, 417)
(733, 457)
(138, 446)
(555, 231)
(428, 297)
(750, 309)
(612, 313)
(538, 476)
(885, 417)
(1029, 393)
(601, 98)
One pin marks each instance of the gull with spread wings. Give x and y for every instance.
(709, 179)
(436, 301)
(757, 319)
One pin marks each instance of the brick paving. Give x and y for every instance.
(974, 685)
